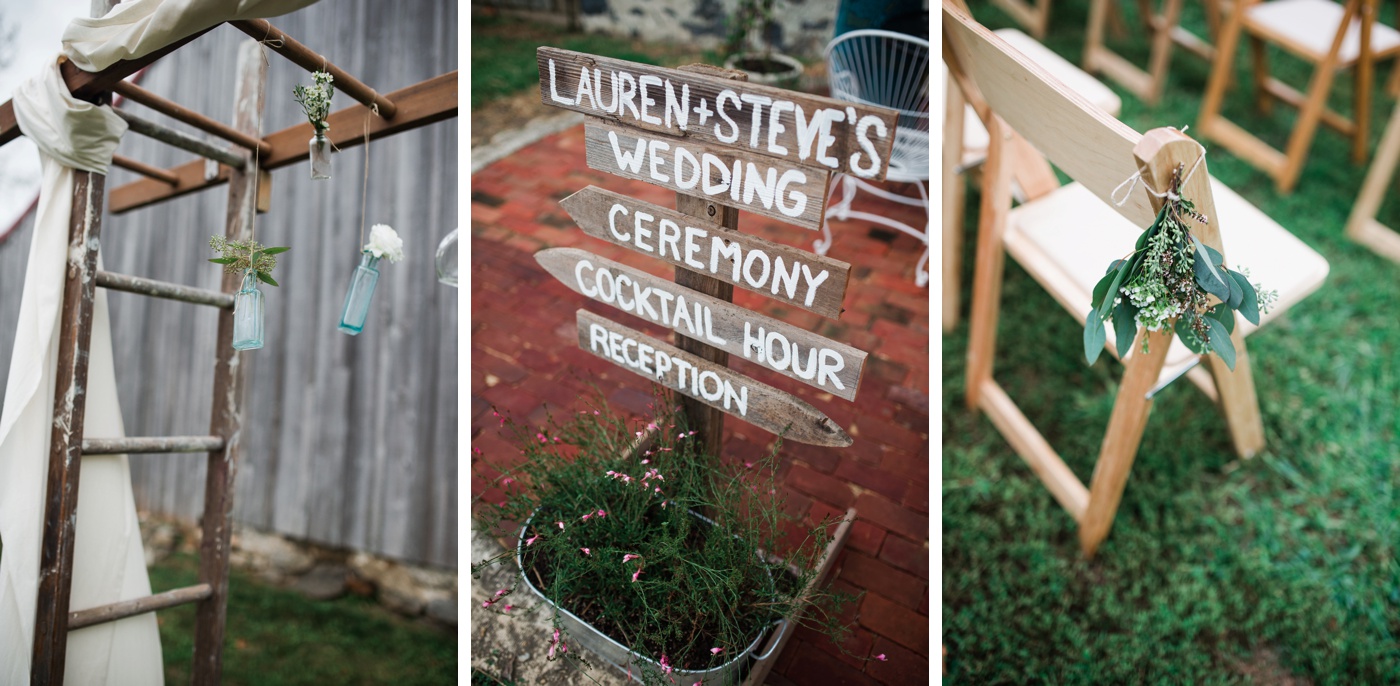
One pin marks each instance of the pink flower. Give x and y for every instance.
(629, 557)
(602, 513)
(532, 540)
(507, 481)
(595, 412)
(716, 651)
(639, 434)
(585, 517)
(881, 657)
(636, 574)
(692, 433)
(585, 552)
(561, 525)
(486, 603)
(509, 608)
(680, 435)
(646, 461)
(501, 593)
(665, 665)
(541, 437)
(651, 426)
(656, 490)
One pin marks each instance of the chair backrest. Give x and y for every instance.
(887, 69)
(1090, 146)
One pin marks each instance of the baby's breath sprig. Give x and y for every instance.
(1167, 281)
(316, 100)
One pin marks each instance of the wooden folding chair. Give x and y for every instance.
(1164, 32)
(1065, 238)
(1362, 225)
(1332, 37)
(965, 148)
(1032, 14)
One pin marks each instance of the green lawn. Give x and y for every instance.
(1217, 570)
(276, 637)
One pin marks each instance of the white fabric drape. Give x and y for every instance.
(109, 564)
(140, 27)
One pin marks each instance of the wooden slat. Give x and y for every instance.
(1067, 489)
(708, 122)
(225, 420)
(178, 139)
(1292, 96)
(798, 194)
(65, 438)
(161, 289)
(145, 169)
(304, 57)
(610, 216)
(160, 444)
(88, 85)
(136, 606)
(754, 402)
(179, 112)
(423, 103)
(719, 323)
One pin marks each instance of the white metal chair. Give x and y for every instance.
(888, 69)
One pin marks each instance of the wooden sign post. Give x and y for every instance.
(722, 145)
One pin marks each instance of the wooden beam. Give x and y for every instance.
(163, 444)
(145, 169)
(136, 606)
(177, 111)
(423, 103)
(91, 85)
(302, 56)
(179, 139)
(161, 289)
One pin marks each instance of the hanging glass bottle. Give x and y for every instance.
(248, 314)
(447, 259)
(320, 156)
(357, 299)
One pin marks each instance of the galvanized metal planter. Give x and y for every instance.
(730, 673)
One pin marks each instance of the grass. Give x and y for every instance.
(1217, 570)
(276, 637)
(503, 54)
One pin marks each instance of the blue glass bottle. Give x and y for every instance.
(248, 314)
(352, 316)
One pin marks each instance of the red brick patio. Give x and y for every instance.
(525, 354)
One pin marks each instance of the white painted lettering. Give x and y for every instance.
(647, 102)
(733, 97)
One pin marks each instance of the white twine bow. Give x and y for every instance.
(1132, 182)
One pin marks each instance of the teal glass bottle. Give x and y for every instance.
(352, 316)
(248, 314)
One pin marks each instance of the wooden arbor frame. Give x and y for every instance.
(1285, 166)
(244, 168)
(1009, 94)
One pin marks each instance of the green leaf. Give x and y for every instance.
(1124, 327)
(1236, 293)
(266, 278)
(1249, 301)
(223, 260)
(275, 251)
(1207, 275)
(1221, 343)
(1101, 289)
(1094, 336)
(253, 259)
(1156, 224)
(1107, 305)
(1188, 335)
(1223, 314)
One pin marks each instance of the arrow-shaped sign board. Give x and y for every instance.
(803, 279)
(815, 360)
(756, 403)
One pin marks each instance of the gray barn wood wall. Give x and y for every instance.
(349, 441)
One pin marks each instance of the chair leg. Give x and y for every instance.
(990, 261)
(1221, 69)
(1259, 58)
(954, 201)
(1311, 114)
(1361, 82)
(1238, 401)
(1161, 55)
(1120, 445)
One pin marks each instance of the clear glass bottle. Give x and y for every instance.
(352, 316)
(248, 314)
(320, 156)
(447, 259)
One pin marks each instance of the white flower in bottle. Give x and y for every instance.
(384, 243)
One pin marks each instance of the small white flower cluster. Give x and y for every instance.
(316, 99)
(1155, 309)
(384, 243)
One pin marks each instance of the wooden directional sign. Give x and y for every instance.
(714, 385)
(796, 128)
(817, 361)
(722, 174)
(796, 277)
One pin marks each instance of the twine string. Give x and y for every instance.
(364, 189)
(1131, 183)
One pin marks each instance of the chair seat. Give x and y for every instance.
(1307, 27)
(1067, 238)
(1076, 79)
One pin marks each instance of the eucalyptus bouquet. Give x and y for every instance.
(607, 518)
(1168, 280)
(243, 256)
(316, 99)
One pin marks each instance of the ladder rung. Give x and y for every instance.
(127, 608)
(164, 444)
(162, 289)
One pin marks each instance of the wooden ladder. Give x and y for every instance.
(54, 617)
